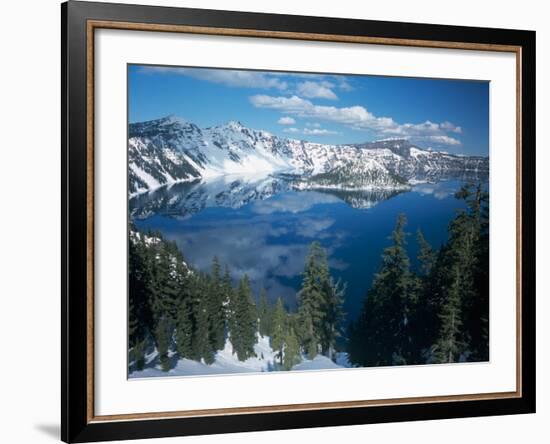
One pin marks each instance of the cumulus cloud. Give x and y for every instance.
(286, 121)
(359, 118)
(227, 77)
(353, 115)
(320, 90)
(291, 130)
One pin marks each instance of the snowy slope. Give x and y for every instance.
(227, 363)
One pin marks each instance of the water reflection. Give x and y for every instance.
(262, 227)
(185, 199)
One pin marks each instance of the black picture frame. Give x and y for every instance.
(76, 423)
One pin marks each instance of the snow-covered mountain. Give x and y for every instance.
(171, 150)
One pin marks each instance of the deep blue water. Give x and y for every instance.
(268, 238)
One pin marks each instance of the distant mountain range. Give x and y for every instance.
(171, 150)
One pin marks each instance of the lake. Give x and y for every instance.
(262, 227)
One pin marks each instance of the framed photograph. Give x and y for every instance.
(276, 221)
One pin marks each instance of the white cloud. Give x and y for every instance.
(313, 124)
(318, 132)
(320, 90)
(359, 118)
(448, 126)
(445, 140)
(291, 130)
(311, 131)
(285, 120)
(356, 116)
(344, 84)
(227, 77)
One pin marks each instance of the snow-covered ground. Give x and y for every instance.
(227, 363)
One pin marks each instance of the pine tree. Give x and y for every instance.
(140, 321)
(216, 296)
(265, 314)
(476, 304)
(166, 283)
(227, 290)
(243, 322)
(133, 337)
(334, 316)
(450, 345)
(279, 329)
(163, 336)
(382, 334)
(425, 321)
(426, 254)
(164, 291)
(312, 300)
(201, 343)
(139, 354)
(291, 350)
(184, 329)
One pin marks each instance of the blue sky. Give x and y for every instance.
(449, 115)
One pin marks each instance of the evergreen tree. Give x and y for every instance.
(310, 344)
(382, 334)
(139, 312)
(279, 329)
(139, 354)
(291, 350)
(201, 344)
(425, 320)
(184, 329)
(320, 305)
(476, 306)
(215, 307)
(426, 254)
(243, 322)
(333, 316)
(464, 282)
(164, 291)
(163, 337)
(227, 295)
(312, 300)
(265, 314)
(450, 344)
(165, 285)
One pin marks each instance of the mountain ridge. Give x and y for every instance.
(171, 150)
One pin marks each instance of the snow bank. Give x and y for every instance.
(227, 363)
